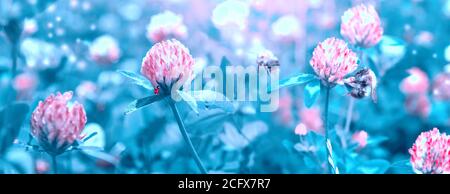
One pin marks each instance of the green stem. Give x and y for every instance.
(348, 120)
(10, 96)
(55, 165)
(14, 51)
(186, 137)
(349, 115)
(327, 99)
(69, 162)
(329, 157)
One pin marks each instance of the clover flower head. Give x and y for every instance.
(416, 83)
(430, 154)
(231, 14)
(166, 25)
(104, 50)
(56, 124)
(360, 137)
(301, 130)
(25, 82)
(441, 86)
(166, 63)
(361, 26)
(287, 28)
(418, 105)
(332, 60)
(311, 118)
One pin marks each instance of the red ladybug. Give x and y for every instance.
(156, 90)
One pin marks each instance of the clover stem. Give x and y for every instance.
(14, 60)
(349, 114)
(55, 164)
(186, 137)
(331, 165)
(348, 120)
(10, 96)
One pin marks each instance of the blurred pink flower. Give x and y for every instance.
(41, 55)
(56, 124)
(30, 26)
(232, 14)
(424, 38)
(360, 137)
(430, 154)
(312, 120)
(301, 130)
(416, 83)
(326, 20)
(287, 28)
(332, 60)
(86, 89)
(361, 26)
(42, 166)
(441, 86)
(167, 62)
(271, 8)
(166, 25)
(25, 82)
(418, 105)
(285, 109)
(104, 50)
(110, 163)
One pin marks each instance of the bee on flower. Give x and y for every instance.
(363, 84)
(267, 60)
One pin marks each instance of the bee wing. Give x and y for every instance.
(274, 63)
(349, 94)
(374, 94)
(350, 84)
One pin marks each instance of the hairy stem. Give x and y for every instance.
(327, 99)
(330, 162)
(186, 137)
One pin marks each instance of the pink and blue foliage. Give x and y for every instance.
(90, 86)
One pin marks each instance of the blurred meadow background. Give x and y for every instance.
(80, 45)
